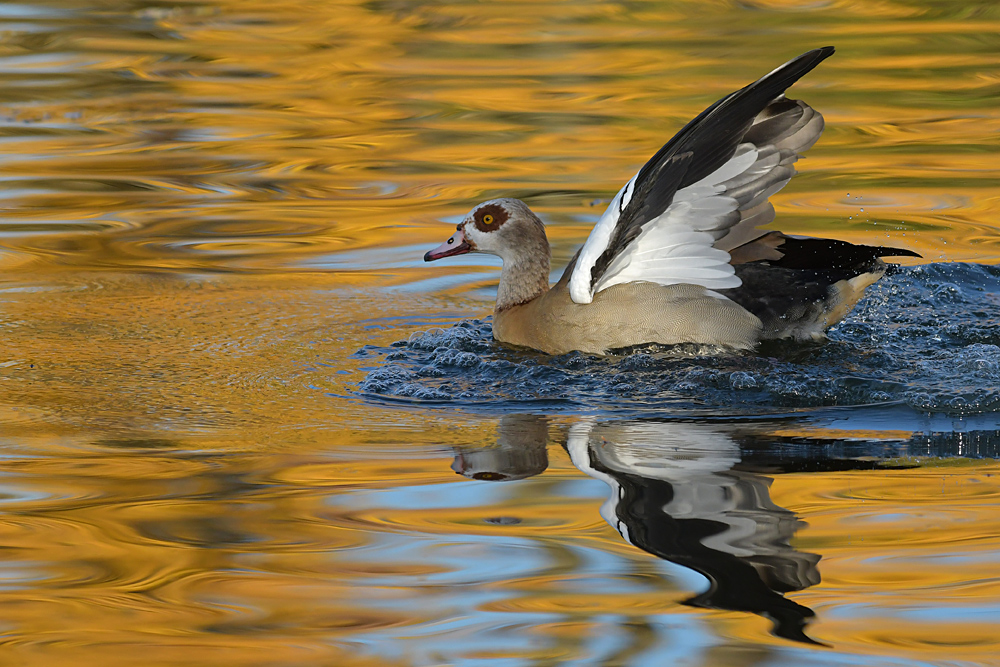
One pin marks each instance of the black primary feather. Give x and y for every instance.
(711, 138)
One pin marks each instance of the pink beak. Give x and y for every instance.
(456, 245)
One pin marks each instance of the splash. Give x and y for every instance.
(927, 337)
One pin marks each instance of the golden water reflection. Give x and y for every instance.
(210, 207)
(384, 555)
(251, 135)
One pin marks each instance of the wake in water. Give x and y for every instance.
(927, 337)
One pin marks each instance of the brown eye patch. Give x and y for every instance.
(489, 217)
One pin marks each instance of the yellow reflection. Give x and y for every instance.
(308, 130)
(209, 209)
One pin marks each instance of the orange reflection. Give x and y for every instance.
(210, 208)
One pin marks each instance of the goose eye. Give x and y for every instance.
(487, 219)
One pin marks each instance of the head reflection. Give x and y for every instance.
(520, 451)
(676, 494)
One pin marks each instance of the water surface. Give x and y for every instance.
(243, 423)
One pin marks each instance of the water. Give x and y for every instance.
(243, 423)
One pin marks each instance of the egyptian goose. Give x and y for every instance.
(678, 257)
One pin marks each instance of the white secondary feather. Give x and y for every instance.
(677, 247)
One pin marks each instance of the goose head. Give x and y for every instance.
(502, 227)
(508, 229)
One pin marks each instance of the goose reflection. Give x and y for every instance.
(675, 494)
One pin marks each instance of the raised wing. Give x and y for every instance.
(669, 224)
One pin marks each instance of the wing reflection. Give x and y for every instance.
(675, 494)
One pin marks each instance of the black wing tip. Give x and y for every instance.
(796, 68)
(822, 53)
(816, 55)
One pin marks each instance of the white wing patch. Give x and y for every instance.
(677, 247)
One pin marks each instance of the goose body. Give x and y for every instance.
(678, 256)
